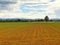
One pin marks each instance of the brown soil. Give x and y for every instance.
(34, 34)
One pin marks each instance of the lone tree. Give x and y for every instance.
(46, 18)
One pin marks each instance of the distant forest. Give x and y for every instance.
(46, 19)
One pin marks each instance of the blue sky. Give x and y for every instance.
(29, 8)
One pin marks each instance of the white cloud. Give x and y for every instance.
(14, 10)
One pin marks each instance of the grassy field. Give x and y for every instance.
(29, 33)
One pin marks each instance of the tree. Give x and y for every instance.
(46, 18)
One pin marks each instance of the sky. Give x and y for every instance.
(31, 9)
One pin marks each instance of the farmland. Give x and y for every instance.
(30, 33)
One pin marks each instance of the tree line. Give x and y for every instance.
(46, 18)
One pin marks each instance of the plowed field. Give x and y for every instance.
(29, 33)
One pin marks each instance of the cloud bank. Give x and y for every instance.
(29, 8)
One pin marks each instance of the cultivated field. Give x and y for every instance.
(29, 33)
